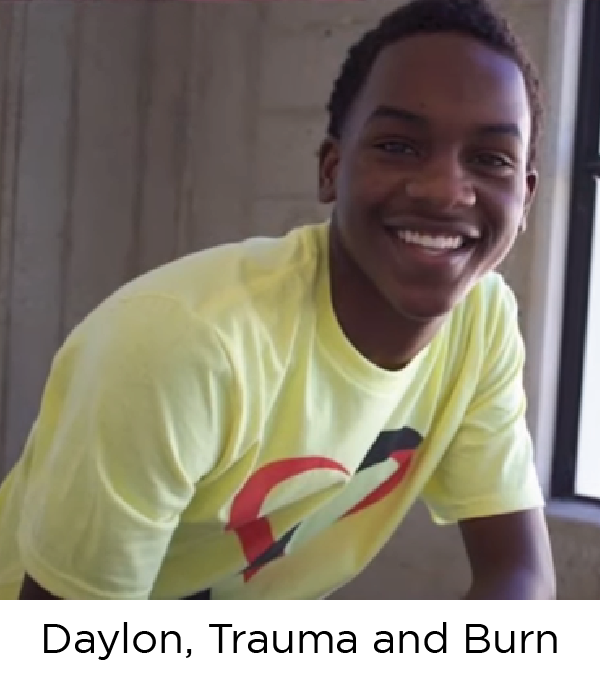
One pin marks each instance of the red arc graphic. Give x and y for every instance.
(253, 531)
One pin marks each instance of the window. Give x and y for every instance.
(576, 470)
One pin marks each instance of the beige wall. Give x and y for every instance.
(133, 133)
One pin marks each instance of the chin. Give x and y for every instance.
(423, 315)
(425, 310)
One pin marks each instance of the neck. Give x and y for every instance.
(377, 330)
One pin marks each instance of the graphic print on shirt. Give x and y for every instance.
(393, 450)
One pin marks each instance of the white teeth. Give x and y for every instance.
(439, 243)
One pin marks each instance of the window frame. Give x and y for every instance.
(586, 170)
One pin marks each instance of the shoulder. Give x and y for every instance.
(183, 307)
(483, 336)
(489, 312)
(492, 300)
(236, 275)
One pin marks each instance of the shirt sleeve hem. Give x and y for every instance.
(484, 509)
(65, 587)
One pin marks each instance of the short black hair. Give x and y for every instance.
(474, 18)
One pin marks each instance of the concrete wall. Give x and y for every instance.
(131, 133)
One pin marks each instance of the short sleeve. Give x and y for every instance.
(135, 412)
(489, 469)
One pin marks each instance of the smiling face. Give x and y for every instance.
(430, 177)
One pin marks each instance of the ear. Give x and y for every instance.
(532, 183)
(329, 157)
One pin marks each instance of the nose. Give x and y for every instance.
(442, 185)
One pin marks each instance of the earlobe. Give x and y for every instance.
(532, 182)
(328, 163)
(326, 191)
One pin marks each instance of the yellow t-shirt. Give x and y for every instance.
(209, 428)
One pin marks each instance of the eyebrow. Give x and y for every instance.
(494, 129)
(501, 129)
(387, 112)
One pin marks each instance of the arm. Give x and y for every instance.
(510, 557)
(486, 480)
(133, 417)
(31, 590)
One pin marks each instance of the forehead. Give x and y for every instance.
(450, 79)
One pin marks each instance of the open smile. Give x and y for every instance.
(449, 248)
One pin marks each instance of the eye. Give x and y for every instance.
(397, 148)
(492, 160)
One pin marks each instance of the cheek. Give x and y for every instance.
(502, 247)
(366, 186)
(503, 234)
(504, 208)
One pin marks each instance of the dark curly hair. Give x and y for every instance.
(474, 18)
